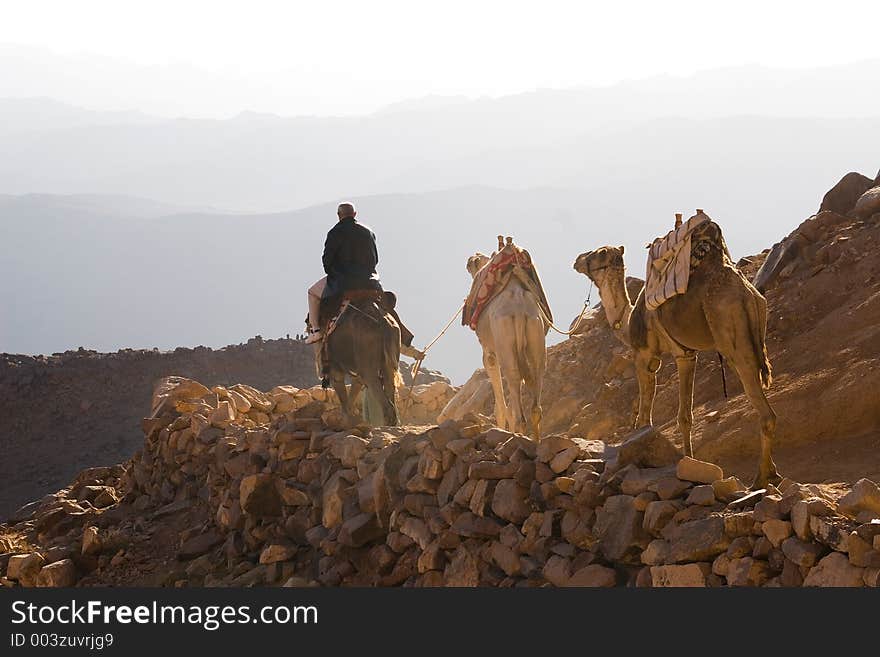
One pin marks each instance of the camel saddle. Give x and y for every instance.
(494, 277)
(332, 307)
(671, 259)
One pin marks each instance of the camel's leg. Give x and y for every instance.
(537, 412)
(337, 378)
(510, 371)
(686, 366)
(536, 351)
(647, 378)
(751, 379)
(390, 401)
(739, 337)
(490, 362)
(354, 390)
(373, 384)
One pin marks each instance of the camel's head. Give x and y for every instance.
(594, 264)
(476, 262)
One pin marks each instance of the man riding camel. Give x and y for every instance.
(350, 259)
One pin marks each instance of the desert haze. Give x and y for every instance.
(238, 208)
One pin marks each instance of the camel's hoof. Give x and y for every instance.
(761, 483)
(774, 478)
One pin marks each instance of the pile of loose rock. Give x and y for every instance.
(290, 499)
(424, 402)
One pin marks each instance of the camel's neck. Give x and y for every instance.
(616, 302)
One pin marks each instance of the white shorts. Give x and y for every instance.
(317, 290)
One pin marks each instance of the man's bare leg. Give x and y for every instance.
(315, 294)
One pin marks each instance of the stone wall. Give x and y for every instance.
(291, 499)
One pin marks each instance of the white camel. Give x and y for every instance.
(511, 331)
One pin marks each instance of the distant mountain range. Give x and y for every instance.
(742, 126)
(40, 115)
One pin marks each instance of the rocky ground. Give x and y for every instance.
(235, 487)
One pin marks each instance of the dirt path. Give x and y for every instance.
(838, 460)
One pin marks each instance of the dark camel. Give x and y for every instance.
(721, 311)
(366, 346)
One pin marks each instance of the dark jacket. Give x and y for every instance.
(350, 258)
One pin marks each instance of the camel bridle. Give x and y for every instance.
(617, 324)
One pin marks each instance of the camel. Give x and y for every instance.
(366, 346)
(721, 311)
(511, 331)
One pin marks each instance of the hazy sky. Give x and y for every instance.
(352, 56)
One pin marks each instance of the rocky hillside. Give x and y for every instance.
(65, 412)
(235, 487)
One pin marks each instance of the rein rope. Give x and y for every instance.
(418, 364)
(368, 316)
(578, 321)
(528, 284)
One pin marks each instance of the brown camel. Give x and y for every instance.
(721, 311)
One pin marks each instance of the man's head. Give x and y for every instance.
(345, 211)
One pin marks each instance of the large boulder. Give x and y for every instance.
(509, 501)
(783, 257)
(594, 575)
(360, 530)
(646, 448)
(835, 570)
(171, 389)
(698, 540)
(863, 499)
(276, 552)
(701, 472)
(260, 496)
(475, 396)
(802, 553)
(747, 571)
(619, 529)
(658, 514)
(868, 203)
(24, 568)
(463, 569)
(199, 544)
(56, 575)
(843, 196)
(688, 575)
(561, 413)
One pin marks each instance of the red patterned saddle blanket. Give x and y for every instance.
(494, 277)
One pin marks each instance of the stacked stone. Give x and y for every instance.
(55, 523)
(688, 525)
(290, 498)
(425, 402)
(456, 504)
